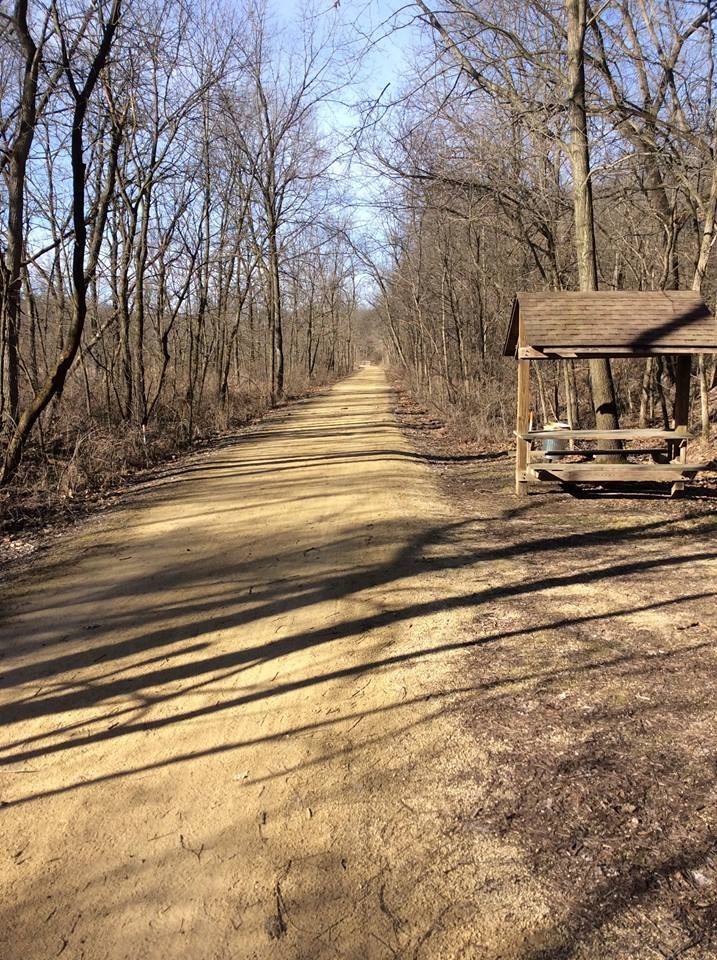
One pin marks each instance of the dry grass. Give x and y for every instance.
(483, 419)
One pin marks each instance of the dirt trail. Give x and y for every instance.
(222, 733)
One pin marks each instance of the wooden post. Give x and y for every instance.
(682, 403)
(522, 425)
(681, 414)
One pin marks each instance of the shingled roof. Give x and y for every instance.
(607, 324)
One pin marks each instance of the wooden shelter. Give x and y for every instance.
(551, 326)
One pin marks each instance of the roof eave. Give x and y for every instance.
(570, 352)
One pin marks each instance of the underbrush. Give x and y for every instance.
(484, 418)
(480, 419)
(76, 461)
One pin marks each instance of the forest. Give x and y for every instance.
(208, 208)
(485, 159)
(358, 474)
(174, 259)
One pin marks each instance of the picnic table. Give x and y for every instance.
(667, 452)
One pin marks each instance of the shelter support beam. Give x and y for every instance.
(682, 392)
(682, 412)
(522, 426)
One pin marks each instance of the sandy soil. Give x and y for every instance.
(331, 691)
(223, 735)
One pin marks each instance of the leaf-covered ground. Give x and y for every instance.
(594, 669)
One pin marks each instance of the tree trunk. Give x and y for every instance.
(601, 382)
(17, 167)
(55, 380)
(704, 395)
(277, 336)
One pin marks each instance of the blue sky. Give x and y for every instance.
(368, 26)
(362, 21)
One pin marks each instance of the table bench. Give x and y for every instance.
(669, 459)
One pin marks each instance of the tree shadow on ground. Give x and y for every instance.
(591, 664)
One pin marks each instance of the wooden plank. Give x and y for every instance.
(579, 352)
(636, 468)
(532, 353)
(598, 452)
(604, 435)
(605, 350)
(522, 445)
(615, 472)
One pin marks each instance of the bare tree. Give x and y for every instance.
(81, 92)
